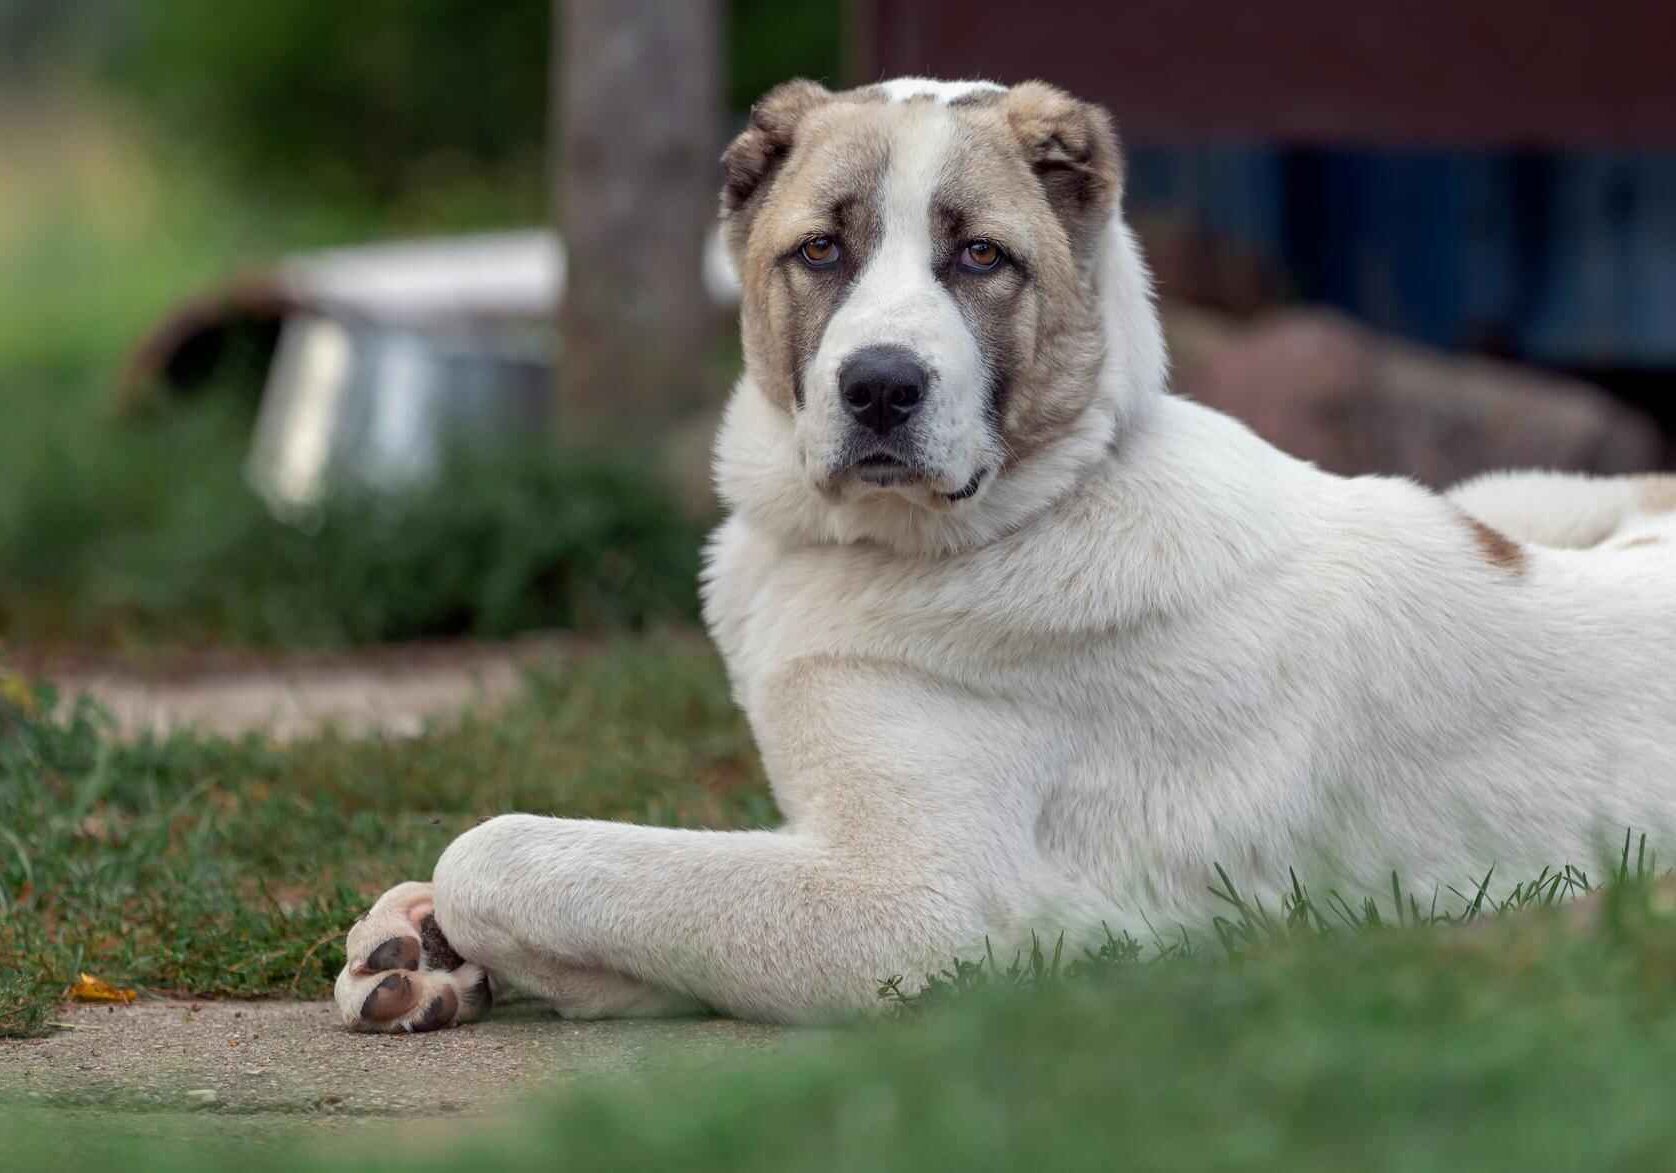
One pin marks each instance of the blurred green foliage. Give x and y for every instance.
(370, 101)
(359, 100)
(770, 42)
(148, 534)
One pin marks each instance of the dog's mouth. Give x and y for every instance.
(970, 488)
(885, 470)
(882, 468)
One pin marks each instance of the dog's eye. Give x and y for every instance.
(820, 253)
(980, 256)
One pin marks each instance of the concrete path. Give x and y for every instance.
(292, 1058)
(388, 691)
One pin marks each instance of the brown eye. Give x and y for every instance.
(820, 253)
(980, 256)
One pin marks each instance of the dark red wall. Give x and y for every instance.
(1536, 72)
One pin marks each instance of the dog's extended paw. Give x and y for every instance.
(402, 975)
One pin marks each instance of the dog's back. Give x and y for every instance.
(1575, 511)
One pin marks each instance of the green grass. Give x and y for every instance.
(1315, 1035)
(1395, 1049)
(202, 866)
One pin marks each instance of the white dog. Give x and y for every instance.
(1028, 643)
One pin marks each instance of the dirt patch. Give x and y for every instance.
(290, 1058)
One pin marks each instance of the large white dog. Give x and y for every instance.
(1027, 643)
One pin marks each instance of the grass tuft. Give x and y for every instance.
(207, 867)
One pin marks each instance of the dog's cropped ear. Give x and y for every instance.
(751, 160)
(1073, 150)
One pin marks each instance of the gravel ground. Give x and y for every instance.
(292, 1058)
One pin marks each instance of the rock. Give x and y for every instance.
(202, 1097)
(1351, 401)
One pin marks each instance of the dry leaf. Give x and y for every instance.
(91, 989)
(15, 690)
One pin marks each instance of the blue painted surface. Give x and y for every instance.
(1561, 259)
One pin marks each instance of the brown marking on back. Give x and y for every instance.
(1639, 543)
(1497, 548)
(1658, 493)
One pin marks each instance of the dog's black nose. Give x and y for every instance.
(882, 387)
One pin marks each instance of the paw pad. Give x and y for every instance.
(396, 953)
(403, 975)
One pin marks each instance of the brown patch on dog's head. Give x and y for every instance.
(762, 147)
(1497, 548)
(1658, 494)
(809, 159)
(1029, 169)
(1073, 150)
(1047, 346)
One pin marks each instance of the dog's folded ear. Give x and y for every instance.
(751, 160)
(1072, 147)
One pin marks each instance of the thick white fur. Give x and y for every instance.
(901, 89)
(1156, 646)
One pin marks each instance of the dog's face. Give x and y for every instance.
(919, 273)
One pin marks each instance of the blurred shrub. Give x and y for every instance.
(149, 534)
(377, 100)
(364, 99)
(769, 42)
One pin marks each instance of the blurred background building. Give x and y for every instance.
(1481, 177)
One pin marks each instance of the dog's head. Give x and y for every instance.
(943, 315)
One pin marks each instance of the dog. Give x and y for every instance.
(1028, 644)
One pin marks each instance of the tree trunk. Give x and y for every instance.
(637, 90)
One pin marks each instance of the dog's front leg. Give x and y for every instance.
(403, 974)
(773, 925)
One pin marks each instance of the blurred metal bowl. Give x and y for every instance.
(389, 356)
(380, 406)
